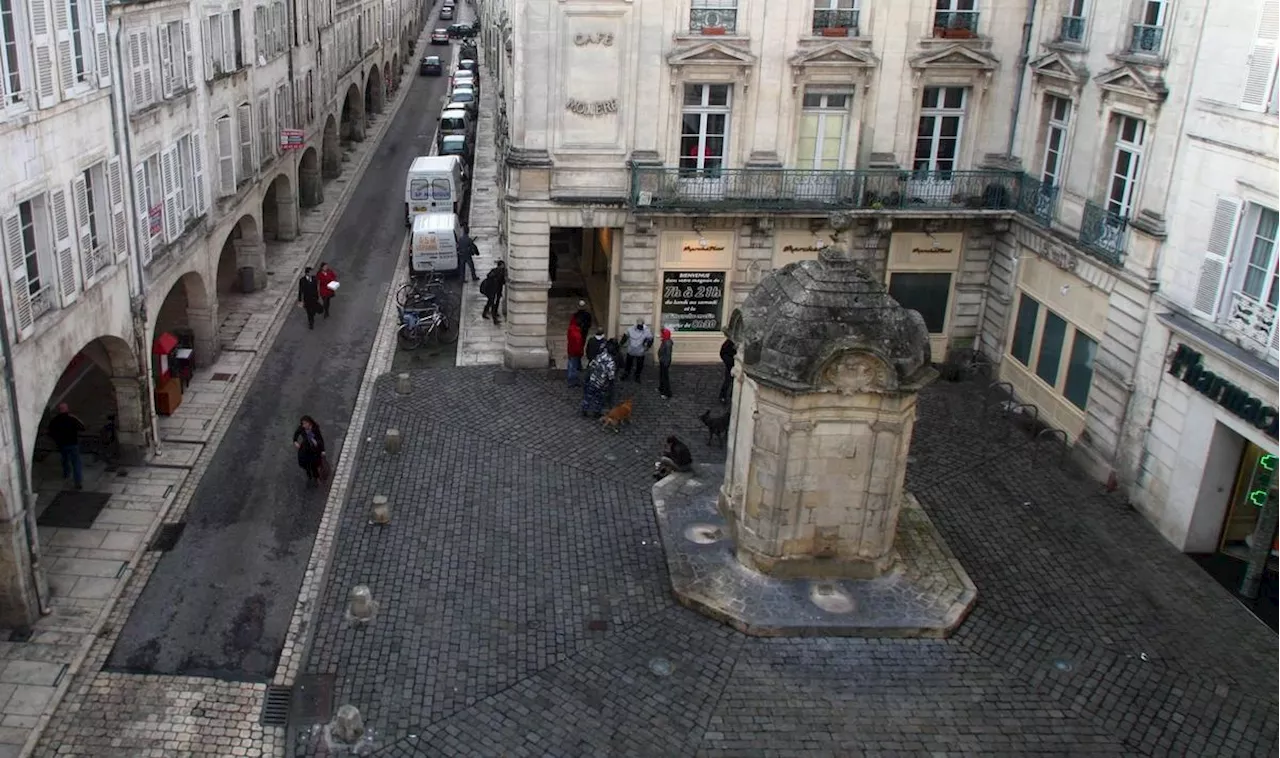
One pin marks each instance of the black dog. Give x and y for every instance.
(717, 426)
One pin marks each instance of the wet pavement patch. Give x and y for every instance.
(167, 537)
(74, 510)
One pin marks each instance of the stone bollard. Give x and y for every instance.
(361, 607)
(392, 442)
(347, 725)
(402, 384)
(380, 513)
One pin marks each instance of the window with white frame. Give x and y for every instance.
(704, 127)
(244, 132)
(1148, 34)
(270, 29)
(955, 18)
(223, 44)
(224, 136)
(713, 16)
(941, 126)
(153, 184)
(141, 70)
(1126, 161)
(1055, 350)
(1056, 131)
(31, 259)
(71, 18)
(824, 127)
(92, 208)
(1259, 88)
(1073, 21)
(177, 67)
(266, 145)
(12, 55)
(1240, 258)
(835, 18)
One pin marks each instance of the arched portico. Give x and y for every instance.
(279, 211)
(190, 314)
(310, 185)
(330, 150)
(374, 95)
(353, 119)
(243, 248)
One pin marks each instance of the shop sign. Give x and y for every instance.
(1264, 473)
(292, 139)
(1059, 256)
(1187, 365)
(692, 301)
(592, 107)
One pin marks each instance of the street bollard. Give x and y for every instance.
(402, 384)
(347, 725)
(361, 607)
(392, 442)
(380, 513)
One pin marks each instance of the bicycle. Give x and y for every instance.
(424, 290)
(420, 325)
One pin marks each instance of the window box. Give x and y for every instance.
(835, 31)
(713, 31)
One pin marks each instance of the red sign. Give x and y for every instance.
(292, 139)
(156, 217)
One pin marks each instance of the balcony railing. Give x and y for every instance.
(955, 24)
(1146, 39)
(1102, 233)
(714, 20)
(1072, 29)
(835, 23)
(41, 302)
(782, 190)
(1252, 319)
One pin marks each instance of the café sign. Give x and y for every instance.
(1188, 365)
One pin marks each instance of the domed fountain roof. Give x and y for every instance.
(804, 315)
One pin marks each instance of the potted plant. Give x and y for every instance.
(835, 31)
(713, 30)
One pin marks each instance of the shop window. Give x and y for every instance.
(928, 294)
(1040, 332)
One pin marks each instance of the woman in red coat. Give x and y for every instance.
(577, 343)
(324, 277)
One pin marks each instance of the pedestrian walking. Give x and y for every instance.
(728, 351)
(637, 340)
(583, 317)
(309, 296)
(664, 364)
(310, 445)
(574, 347)
(65, 430)
(467, 251)
(491, 288)
(326, 280)
(597, 390)
(614, 350)
(594, 345)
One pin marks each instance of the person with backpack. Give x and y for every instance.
(491, 288)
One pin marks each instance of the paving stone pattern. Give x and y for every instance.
(525, 606)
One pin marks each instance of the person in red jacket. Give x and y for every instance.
(576, 344)
(324, 277)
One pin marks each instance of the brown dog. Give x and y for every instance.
(617, 416)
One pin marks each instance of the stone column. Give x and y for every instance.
(252, 253)
(286, 216)
(311, 184)
(130, 420)
(203, 322)
(19, 601)
(526, 296)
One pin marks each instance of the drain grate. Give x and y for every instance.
(167, 537)
(275, 708)
(222, 377)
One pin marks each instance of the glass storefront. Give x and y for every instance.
(1255, 479)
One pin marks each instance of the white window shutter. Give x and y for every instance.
(143, 211)
(63, 252)
(101, 43)
(135, 68)
(228, 43)
(226, 158)
(119, 218)
(84, 232)
(188, 61)
(259, 53)
(1261, 73)
(169, 179)
(148, 67)
(166, 62)
(199, 199)
(244, 119)
(1217, 257)
(19, 291)
(62, 34)
(42, 53)
(206, 38)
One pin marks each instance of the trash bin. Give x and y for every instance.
(246, 279)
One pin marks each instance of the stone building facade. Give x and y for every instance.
(143, 170)
(1011, 165)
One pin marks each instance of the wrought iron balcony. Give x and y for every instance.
(41, 302)
(955, 24)
(1103, 233)
(781, 190)
(836, 22)
(721, 18)
(1254, 320)
(1146, 39)
(1072, 29)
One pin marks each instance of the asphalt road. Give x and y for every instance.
(219, 604)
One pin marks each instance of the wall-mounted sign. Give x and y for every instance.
(925, 252)
(1059, 256)
(582, 39)
(292, 139)
(155, 218)
(1187, 365)
(692, 301)
(592, 107)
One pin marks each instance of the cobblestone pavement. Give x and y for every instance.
(525, 608)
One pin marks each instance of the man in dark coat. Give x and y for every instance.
(728, 352)
(309, 296)
(65, 430)
(491, 288)
(583, 318)
(467, 251)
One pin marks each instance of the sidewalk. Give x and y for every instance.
(481, 343)
(95, 713)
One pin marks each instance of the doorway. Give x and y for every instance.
(579, 263)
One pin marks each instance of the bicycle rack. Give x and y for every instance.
(999, 393)
(1054, 434)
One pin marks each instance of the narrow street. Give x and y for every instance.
(219, 604)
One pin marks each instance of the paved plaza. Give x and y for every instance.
(525, 608)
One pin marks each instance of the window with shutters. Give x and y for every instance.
(186, 207)
(141, 70)
(153, 195)
(29, 251)
(72, 17)
(92, 211)
(244, 125)
(1252, 282)
(1259, 87)
(176, 68)
(12, 56)
(266, 147)
(224, 46)
(226, 151)
(282, 113)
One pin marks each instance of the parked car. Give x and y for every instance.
(459, 145)
(465, 98)
(463, 79)
(431, 66)
(446, 13)
(461, 31)
(468, 50)
(469, 64)
(456, 121)
(439, 36)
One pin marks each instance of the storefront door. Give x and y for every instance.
(1255, 478)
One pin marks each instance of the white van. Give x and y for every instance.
(434, 246)
(434, 185)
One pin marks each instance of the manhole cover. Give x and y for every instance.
(830, 598)
(661, 667)
(703, 534)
